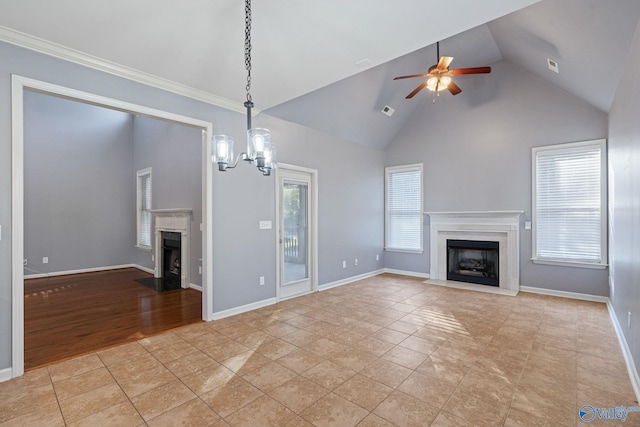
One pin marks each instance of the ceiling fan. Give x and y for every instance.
(439, 76)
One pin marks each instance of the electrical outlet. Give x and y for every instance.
(629, 320)
(261, 280)
(45, 260)
(356, 262)
(377, 257)
(344, 264)
(199, 269)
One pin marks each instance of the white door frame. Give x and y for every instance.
(313, 226)
(18, 85)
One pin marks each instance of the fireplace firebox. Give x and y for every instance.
(473, 261)
(171, 257)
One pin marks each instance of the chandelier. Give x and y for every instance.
(260, 151)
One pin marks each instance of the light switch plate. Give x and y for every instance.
(527, 225)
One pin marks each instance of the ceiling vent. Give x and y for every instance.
(553, 65)
(388, 110)
(363, 63)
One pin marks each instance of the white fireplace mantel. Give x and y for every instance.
(497, 226)
(173, 220)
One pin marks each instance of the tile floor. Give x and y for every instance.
(388, 350)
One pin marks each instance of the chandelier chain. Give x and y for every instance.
(247, 45)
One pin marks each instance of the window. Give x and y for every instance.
(143, 197)
(403, 208)
(569, 200)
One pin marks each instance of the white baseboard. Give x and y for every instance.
(349, 280)
(145, 269)
(196, 287)
(243, 308)
(406, 273)
(563, 294)
(626, 352)
(6, 374)
(84, 270)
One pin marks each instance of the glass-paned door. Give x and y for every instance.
(295, 234)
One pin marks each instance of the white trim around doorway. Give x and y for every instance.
(18, 85)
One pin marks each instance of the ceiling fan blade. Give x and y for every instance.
(444, 62)
(416, 90)
(411, 76)
(477, 70)
(454, 88)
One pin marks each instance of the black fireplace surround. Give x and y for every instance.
(473, 261)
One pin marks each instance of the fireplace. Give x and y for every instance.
(500, 227)
(172, 243)
(171, 257)
(473, 261)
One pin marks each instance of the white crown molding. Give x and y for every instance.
(46, 47)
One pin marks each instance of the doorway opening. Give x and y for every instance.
(19, 86)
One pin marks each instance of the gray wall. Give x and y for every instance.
(78, 188)
(476, 150)
(350, 218)
(350, 197)
(624, 199)
(174, 152)
(350, 179)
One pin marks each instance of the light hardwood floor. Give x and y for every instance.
(67, 316)
(388, 350)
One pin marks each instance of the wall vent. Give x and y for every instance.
(388, 110)
(553, 65)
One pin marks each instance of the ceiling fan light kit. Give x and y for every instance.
(437, 84)
(439, 76)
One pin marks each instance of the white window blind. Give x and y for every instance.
(569, 203)
(144, 208)
(403, 210)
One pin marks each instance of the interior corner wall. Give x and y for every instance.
(476, 150)
(624, 200)
(77, 186)
(174, 154)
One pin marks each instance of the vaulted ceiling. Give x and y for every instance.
(330, 64)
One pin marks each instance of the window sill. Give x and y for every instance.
(578, 264)
(144, 248)
(406, 251)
